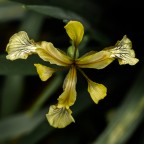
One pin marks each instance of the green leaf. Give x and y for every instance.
(59, 13)
(46, 93)
(32, 23)
(127, 117)
(10, 11)
(12, 93)
(20, 124)
(14, 126)
(38, 134)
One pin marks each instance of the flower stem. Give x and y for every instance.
(83, 74)
(75, 50)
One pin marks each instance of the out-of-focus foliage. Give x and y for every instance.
(25, 99)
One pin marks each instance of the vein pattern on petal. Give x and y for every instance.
(49, 53)
(20, 46)
(68, 97)
(96, 60)
(59, 117)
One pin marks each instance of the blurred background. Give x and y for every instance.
(25, 99)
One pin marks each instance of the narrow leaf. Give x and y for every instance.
(17, 125)
(128, 116)
(57, 12)
(13, 89)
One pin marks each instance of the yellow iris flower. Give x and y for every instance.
(20, 46)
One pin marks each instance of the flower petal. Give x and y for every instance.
(97, 91)
(68, 97)
(49, 53)
(75, 31)
(123, 52)
(59, 117)
(44, 72)
(97, 60)
(20, 46)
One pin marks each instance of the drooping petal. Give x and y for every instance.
(59, 117)
(96, 60)
(44, 72)
(123, 52)
(49, 53)
(75, 31)
(20, 46)
(96, 91)
(68, 97)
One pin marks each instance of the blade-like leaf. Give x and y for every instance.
(39, 133)
(47, 92)
(13, 126)
(32, 23)
(10, 11)
(127, 117)
(13, 89)
(59, 13)
(17, 125)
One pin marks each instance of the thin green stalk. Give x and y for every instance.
(83, 74)
(75, 50)
(48, 91)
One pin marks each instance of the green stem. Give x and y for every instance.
(75, 50)
(83, 74)
(48, 91)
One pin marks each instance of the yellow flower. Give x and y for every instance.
(59, 115)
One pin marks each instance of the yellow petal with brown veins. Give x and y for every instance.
(59, 117)
(20, 46)
(123, 52)
(96, 60)
(49, 53)
(68, 97)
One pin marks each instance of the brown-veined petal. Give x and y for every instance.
(68, 97)
(44, 72)
(96, 91)
(20, 46)
(96, 60)
(123, 52)
(49, 53)
(59, 117)
(75, 31)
